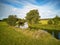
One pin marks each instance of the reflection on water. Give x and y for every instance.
(59, 35)
(55, 34)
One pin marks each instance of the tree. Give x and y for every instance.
(32, 17)
(50, 21)
(56, 19)
(5, 19)
(11, 20)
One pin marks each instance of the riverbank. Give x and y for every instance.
(15, 36)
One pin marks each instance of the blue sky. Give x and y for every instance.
(46, 8)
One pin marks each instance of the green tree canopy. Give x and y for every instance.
(32, 16)
(11, 20)
(50, 21)
(56, 19)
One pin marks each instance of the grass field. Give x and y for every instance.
(43, 22)
(45, 26)
(15, 36)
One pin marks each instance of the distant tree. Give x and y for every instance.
(56, 19)
(5, 19)
(11, 20)
(32, 17)
(0, 20)
(50, 21)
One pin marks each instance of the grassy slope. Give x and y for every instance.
(15, 36)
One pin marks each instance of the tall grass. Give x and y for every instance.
(10, 36)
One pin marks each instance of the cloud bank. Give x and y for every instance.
(21, 7)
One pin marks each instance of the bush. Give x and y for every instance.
(50, 21)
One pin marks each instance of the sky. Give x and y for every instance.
(46, 8)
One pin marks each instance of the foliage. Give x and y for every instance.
(5, 19)
(32, 17)
(20, 22)
(56, 20)
(50, 21)
(11, 20)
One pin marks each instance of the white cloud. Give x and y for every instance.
(46, 11)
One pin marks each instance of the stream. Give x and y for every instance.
(55, 33)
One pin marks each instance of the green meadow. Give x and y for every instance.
(10, 35)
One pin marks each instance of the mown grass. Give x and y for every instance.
(14, 36)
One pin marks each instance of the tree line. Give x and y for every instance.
(32, 17)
